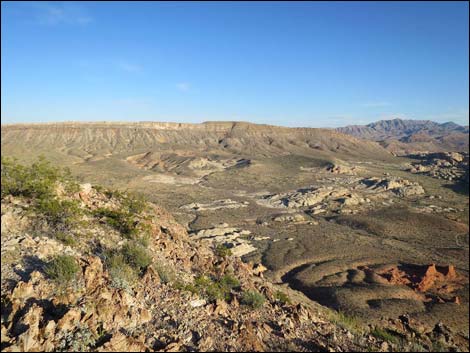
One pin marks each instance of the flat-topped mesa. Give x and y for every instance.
(220, 126)
(98, 139)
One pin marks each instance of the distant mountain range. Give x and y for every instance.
(409, 136)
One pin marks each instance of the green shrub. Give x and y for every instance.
(59, 212)
(79, 339)
(144, 231)
(202, 281)
(186, 287)
(216, 289)
(207, 288)
(62, 268)
(38, 180)
(65, 238)
(213, 292)
(282, 297)
(384, 335)
(229, 282)
(165, 273)
(123, 276)
(125, 219)
(253, 299)
(125, 265)
(222, 250)
(346, 321)
(134, 203)
(136, 255)
(121, 221)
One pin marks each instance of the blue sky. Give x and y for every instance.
(285, 63)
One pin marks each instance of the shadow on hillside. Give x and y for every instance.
(30, 264)
(461, 187)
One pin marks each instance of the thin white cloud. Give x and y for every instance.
(52, 14)
(183, 86)
(376, 104)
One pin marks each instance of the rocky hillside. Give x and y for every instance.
(89, 269)
(407, 136)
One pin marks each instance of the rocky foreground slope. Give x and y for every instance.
(88, 269)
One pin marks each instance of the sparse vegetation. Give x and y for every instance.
(81, 339)
(39, 180)
(125, 265)
(125, 219)
(59, 213)
(384, 335)
(134, 203)
(136, 255)
(282, 297)
(253, 299)
(62, 269)
(213, 288)
(222, 250)
(120, 220)
(228, 282)
(65, 238)
(189, 287)
(122, 275)
(346, 321)
(165, 273)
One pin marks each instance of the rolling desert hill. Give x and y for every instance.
(411, 136)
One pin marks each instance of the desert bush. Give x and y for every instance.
(384, 335)
(136, 255)
(208, 288)
(222, 250)
(228, 282)
(123, 222)
(134, 203)
(166, 273)
(282, 297)
(123, 276)
(125, 265)
(253, 299)
(65, 238)
(59, 212)
(346, 321)
(214, 289)
(80, 339)
(38, 180)
(62, 268)
(188, 287)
